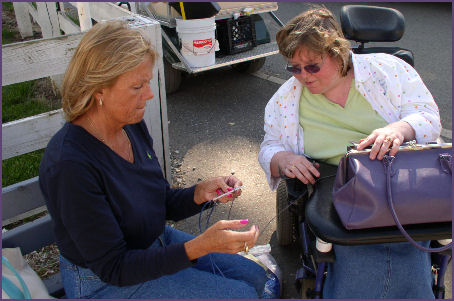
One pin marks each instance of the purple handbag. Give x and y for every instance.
(412, 187)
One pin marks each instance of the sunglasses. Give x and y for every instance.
(312, 68)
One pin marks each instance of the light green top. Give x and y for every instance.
(329, 128)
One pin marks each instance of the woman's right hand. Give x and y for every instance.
(292, 165)
(221, 238)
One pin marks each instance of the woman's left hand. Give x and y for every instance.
(209, 189)
(388, 138)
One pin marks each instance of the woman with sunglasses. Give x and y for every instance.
(334, 97)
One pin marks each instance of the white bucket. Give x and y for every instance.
(198, 42)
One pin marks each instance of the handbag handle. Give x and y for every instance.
(12, 288)
(387, 162)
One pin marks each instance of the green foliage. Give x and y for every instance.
(7, 6)
(75, 20)
(17, 102)
(21, 168)
(8, 36)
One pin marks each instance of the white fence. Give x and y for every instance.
(50, 56)
(51, 16)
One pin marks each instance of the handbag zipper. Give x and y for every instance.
(407, 146)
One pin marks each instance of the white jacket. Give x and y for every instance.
(392, 87)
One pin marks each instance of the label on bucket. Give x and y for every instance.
(207, 43)
(198, 47)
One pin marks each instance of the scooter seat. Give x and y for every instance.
(364, 24)
(371, 23)
(322, 218)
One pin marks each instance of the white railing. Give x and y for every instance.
(52, 20)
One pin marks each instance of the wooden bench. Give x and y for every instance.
(33, 235)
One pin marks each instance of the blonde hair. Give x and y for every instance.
(108, 50)
(318, 31)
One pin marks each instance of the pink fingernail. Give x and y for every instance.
(229, 189)
(244, 221)
(230, 195)
(219, 191)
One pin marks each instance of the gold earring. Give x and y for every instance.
(100, 102)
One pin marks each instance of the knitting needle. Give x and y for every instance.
(227, 193)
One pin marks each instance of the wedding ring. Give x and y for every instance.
(389, 139)
(246, 248)
(293, 166)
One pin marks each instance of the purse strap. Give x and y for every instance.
(387, 162)
(10, 288)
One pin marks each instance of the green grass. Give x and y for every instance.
(21, 167)
(7, 34)
(17, 103)
(75, 20)
(7, 6)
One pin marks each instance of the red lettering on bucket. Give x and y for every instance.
(203, 43)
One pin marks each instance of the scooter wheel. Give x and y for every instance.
(286, 220)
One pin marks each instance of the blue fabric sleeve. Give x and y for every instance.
(89, 219)
(180, 203)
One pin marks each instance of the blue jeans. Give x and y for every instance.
(381, 271)
(242, 278)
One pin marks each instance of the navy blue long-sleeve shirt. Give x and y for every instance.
(108, 211)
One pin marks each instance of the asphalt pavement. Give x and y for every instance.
(216, 121)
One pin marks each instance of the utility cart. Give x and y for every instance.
(244, 40)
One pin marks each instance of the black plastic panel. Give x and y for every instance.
(371, 23)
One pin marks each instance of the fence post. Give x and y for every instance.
(83, 9)
(50, 27)
(156, 109)
(133, 7)
(47, 19)
(23, 19)
(51, 8)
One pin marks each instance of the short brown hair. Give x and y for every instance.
(318, 31)
(108, 50)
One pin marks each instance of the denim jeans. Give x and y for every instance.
(241, 278)
(380, 271)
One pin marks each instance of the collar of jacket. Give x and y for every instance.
(361, 66)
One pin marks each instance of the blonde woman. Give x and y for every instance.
(335, 97)
(109, 200)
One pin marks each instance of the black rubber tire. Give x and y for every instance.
(308, 285)
(172, 78)
(285, 228)
(250, 66)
